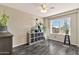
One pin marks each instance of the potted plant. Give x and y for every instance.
(3, 22)
(66, 28)
(43, 29)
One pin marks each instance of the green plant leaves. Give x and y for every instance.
(3, 20)
(66, 28)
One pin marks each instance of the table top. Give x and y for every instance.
(5, 34)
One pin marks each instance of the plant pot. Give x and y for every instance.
(3, 28)
(67, 31)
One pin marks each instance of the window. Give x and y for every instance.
(60, 25)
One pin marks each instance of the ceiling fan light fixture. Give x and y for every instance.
(43, 8)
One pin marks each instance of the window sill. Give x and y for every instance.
(59, 34)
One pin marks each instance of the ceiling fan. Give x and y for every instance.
(44, 8)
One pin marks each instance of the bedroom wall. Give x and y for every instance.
(74, 21)
(19, 24)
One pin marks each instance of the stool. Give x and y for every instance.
(67, 40)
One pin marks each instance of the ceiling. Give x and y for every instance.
(34, 8)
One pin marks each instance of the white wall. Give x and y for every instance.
(19, 23)
(77, 29)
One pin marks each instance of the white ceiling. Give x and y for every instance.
(34, 8)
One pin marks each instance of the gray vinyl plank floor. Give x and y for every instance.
(46, 47)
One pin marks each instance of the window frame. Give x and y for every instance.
(61, 18)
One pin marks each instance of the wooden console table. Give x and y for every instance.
(5, 43)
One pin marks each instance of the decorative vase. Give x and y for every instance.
(3, 28)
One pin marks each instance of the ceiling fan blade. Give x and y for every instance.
(51, 7)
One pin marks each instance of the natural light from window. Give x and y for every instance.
(58, 26)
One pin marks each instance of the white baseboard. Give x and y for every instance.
(18, 45)
(63, 41)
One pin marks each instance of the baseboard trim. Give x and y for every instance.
(20, 46)
(63, 42)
